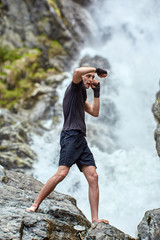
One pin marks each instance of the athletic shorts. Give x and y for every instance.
(74, 149)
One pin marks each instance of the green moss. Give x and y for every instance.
(3, 148)
(56, 48)
(53, 3)
(7, 54)
(16, 81)
(39, 75)
(21, 68)
(3, 74)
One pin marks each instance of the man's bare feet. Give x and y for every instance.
(101, 221)
(33, 208)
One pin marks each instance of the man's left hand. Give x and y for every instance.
(96, 88)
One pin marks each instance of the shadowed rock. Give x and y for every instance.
(149, 228)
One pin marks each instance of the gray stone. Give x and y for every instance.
(57, 217)
(78, 19)
(102, 231)
(15, 151)
(37, 104)
(149, 228)
(96, 61)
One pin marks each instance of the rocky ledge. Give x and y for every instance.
(58, 217)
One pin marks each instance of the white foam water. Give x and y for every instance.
(127, 34)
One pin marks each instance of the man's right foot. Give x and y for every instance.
(101, 221)
(32, 209)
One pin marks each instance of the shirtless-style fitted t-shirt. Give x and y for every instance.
(73, 107)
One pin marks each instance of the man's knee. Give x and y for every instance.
(62, 173)
(93, 178)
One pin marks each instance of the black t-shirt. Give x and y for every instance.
(73, 107)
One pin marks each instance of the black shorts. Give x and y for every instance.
(74, 149)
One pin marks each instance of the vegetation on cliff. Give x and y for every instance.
(22, 68)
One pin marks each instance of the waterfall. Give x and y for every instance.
(127, 34)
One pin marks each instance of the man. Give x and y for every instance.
(74, 148)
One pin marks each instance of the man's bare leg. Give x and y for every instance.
(92, 178)
(49, 187)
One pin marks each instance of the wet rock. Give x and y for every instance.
(102, 231)
(15, 151)
(58, 217)
(149, 228)
(78, 20)
(96, 61)
(37, 102)
(56, 79)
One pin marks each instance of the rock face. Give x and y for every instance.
(156, 112)
(15, 151)
(149, 228)
(57, 218)
(34, 23)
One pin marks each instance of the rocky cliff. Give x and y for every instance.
(58, 217)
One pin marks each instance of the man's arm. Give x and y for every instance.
(94, 108)
(79, 72)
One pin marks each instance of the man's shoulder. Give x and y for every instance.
(73, 85)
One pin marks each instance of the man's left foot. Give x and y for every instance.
(32, 209)
(101, 221)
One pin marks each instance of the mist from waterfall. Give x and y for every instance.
(121, 139)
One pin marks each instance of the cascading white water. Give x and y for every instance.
(127, 34)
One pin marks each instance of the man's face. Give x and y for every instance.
(88, 79)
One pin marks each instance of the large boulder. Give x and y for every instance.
(58, 217)
(149, 228)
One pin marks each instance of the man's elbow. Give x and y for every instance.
(77, 72)
(95, 115)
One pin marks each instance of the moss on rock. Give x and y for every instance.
(22, 68)
(53, 4)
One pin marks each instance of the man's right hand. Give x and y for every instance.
(101, 72)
